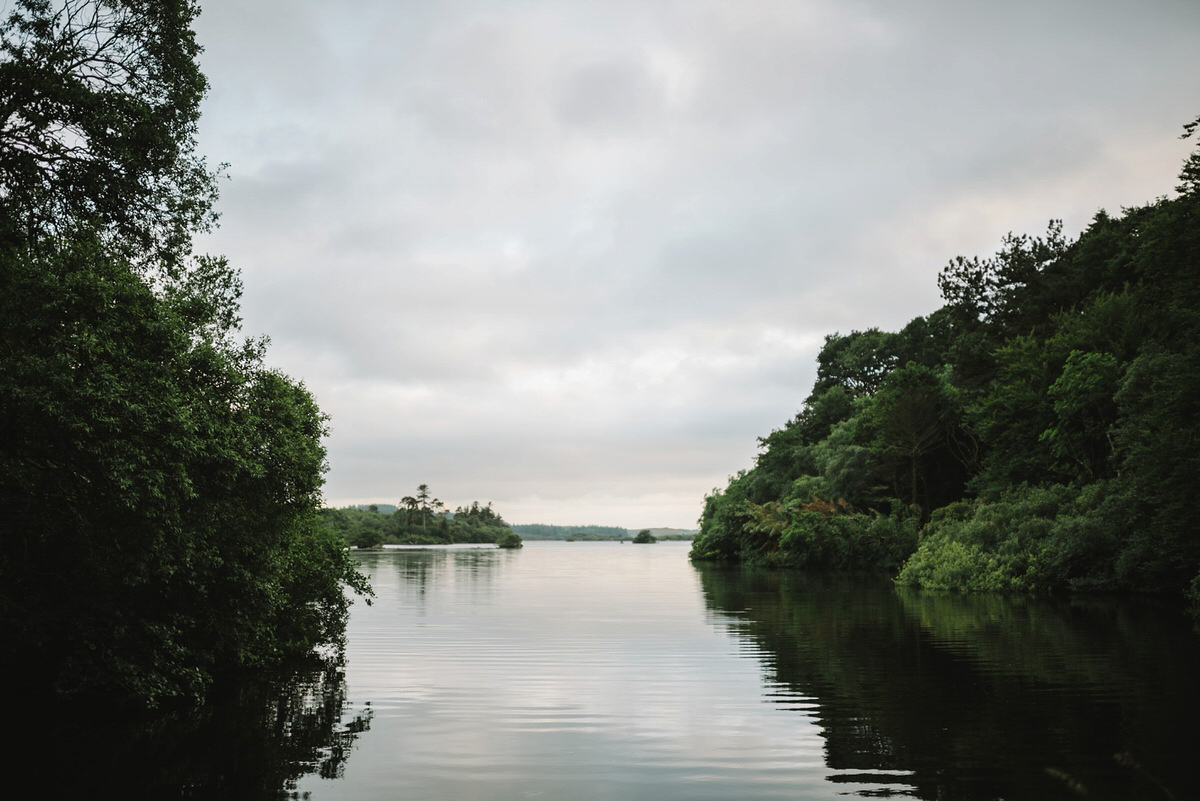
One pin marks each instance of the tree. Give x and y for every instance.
(410, 505)
(427, 504)
(1009, 291)
(160, 488)
(644, 537)
(1083, 397)
(99, 101)
(915, 421)
(857, 361)
(367, 537)
(160, 482)
(1189, 176)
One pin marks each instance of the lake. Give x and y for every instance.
(607, 671)
(615, 671)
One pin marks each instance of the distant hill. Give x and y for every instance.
(382, 508)
(542, 531)
(669, 533)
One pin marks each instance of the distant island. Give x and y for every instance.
(421, 519)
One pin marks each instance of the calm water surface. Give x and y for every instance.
(605, 671)
(582, 671)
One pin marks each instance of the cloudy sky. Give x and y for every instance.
(575, 257)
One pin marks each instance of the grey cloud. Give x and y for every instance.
(573, 251)
(614, 98)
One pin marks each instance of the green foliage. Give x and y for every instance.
(1085, 407)
(1044, 425)
(418, 520)
(160, 482)
(1193, 594)
(1008, 418)
(824, 410)
(1028, 539)
(1000, 545)
(844, 466)
(856, 362)
(101, 102)
(1158, 448)
(509, 539)
(723, 522)
(823, 537)
(802, 531)
(1013, 292)
(644, 537)
(367, 537)
(917, 446)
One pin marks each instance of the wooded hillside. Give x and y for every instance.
(1040, 430)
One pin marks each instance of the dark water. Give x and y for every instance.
(603, 671)
(253, 741)
(976, 697)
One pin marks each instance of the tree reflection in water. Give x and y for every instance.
(973, 697)
(253, 740)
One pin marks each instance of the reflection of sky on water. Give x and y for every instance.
(604, 671)
(578, 671)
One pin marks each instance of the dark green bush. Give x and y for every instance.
(510, 539)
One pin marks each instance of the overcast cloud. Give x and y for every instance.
(574, 257)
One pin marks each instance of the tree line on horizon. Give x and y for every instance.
(1039, 431)
(423, 520)
(544, 531)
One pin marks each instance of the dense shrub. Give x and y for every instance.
(510, 539)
